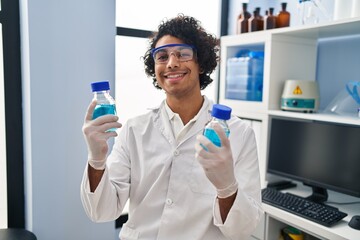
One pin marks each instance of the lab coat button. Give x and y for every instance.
(169, 201)
(176, 152)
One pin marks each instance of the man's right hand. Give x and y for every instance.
(96, 136)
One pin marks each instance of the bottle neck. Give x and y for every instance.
(101, 93)
(222, 122)
(271, 11)
(244, 8)
(103, 97)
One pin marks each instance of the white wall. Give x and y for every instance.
(66, 45)
(151, 13)
(3, 175)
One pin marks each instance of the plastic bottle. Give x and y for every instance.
(309, 10)
(283, 18)
(220, 114)
(255, 80)
(243, 20)
(105, 102)
(244, 76)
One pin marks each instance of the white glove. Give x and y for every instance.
(217, 162)
(96, 136)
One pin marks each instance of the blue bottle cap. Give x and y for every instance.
(100, 86)
(221, 111)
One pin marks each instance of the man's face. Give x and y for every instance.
(176, 68)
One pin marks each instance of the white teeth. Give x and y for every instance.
(174, 76)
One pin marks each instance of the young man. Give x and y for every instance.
(177, 190)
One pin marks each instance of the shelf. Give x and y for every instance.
(242, 106)
(253, 38)
(325, 117)
(339, 28)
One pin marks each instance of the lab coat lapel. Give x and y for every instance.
(203, 119)
(161, 121)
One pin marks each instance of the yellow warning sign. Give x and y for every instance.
(297, 90)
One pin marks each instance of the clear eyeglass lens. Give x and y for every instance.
(182, 53)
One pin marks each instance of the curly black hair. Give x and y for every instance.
(189, 30)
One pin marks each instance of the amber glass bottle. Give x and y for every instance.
(242, 25)
(270, 21)
(256, 22)
(259, 13)
(265, 17)
(283, 18)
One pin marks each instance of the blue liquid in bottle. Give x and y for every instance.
(103, 109)
(213, 137)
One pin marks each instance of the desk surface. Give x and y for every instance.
(16, 234)
(339, 231)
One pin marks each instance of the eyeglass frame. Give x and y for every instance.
(153, 51)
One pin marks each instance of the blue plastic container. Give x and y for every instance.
(244, 76)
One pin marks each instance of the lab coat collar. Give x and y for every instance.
(161, 120)
(203, 117)
(207, 102)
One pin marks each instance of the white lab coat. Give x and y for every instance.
(170, 195)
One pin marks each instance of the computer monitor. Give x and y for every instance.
(322, 155)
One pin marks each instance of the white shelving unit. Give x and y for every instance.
(290, 53)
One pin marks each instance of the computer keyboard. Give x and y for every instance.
(319, 213)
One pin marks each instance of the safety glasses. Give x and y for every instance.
(183, 52)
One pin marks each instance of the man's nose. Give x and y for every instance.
(173, 60)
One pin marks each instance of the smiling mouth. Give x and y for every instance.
(174, 76)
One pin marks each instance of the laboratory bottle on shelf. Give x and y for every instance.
(220, 114)
(270, 21)
(259, 13)
(242, 25)
(309, 11)
(256, 22)
(105, 102)
(283, 18)
(265, 18)
(260, 18)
